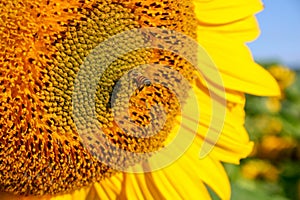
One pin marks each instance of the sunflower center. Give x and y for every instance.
(49, 151)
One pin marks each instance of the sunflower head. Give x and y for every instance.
(49, 50)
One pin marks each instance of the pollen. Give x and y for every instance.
(43, 46)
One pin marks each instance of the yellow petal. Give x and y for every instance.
(231, 151)
(224, 11)
(109, 188)
(135, 187)
(193, 169)
(235, 63)
(178, 181)
(232, 143)
(231, 146)
(245, 30)
(79, 194)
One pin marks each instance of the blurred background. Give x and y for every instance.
(273, 169)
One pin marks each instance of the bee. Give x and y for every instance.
(141, 80)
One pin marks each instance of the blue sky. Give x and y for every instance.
(280, 37)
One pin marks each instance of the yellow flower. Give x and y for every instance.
(44, 44)
(267, 125)
(260, 169)
(276, 148)
(273, 104)
(283, 75)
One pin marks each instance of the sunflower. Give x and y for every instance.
(283, 75)
(260, 169)
(44, 45)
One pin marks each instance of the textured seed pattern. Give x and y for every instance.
(43, 45)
